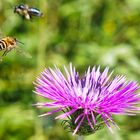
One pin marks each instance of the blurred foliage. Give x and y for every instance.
(93, 32)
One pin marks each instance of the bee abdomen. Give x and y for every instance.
(35, 12)
(3, 45)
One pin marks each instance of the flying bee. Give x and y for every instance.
(9, 43)
(27, 12)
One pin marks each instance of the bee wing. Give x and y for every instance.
(22, 52)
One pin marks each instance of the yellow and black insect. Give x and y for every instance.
(9, 43)
(27, 12)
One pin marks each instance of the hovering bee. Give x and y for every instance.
(9, 43)
(27, 12)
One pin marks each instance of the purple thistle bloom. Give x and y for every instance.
(88, 102)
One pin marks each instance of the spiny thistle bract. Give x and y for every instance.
(87, 103)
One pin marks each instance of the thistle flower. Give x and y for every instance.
(87, 103)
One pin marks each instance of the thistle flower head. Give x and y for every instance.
(87, 103)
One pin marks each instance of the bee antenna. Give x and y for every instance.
(19, 42)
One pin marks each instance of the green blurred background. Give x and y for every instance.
(84, 32)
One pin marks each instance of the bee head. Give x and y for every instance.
(10, 40)
(19, 8)
(13, 41)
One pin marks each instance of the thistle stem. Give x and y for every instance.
(80, 138)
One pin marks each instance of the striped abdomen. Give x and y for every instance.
(35, 12)
(3, 45)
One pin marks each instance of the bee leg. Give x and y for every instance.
(27, 16)
(5, 53)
